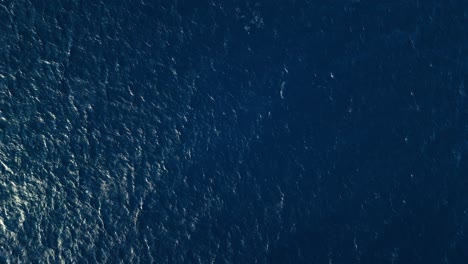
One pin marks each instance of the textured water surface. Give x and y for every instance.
(233, 131)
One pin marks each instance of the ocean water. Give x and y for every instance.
(293, 131)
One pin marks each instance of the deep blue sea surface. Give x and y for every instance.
(280, 131)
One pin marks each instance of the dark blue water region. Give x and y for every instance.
(224, 131)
